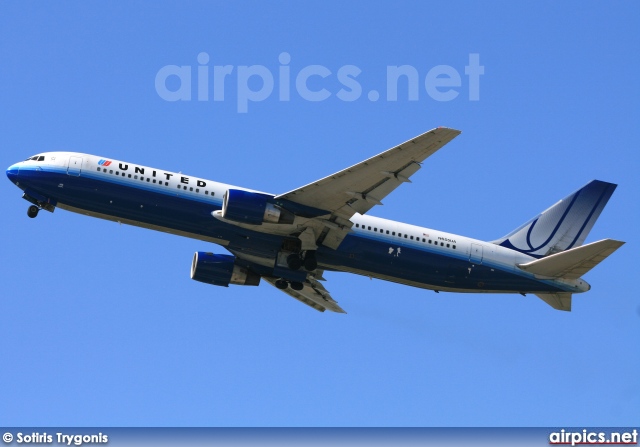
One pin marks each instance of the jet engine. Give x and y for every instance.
(221, 270)
(253, 208)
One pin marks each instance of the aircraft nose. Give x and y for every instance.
(12, 172)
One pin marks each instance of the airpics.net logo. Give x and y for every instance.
(314, 83)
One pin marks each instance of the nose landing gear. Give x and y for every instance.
(39, 203)
(32, 211)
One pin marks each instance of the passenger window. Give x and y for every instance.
(405, 236)
(411, 238)
(429, 240)
(447, 245)
(454, 247)
(206, 192)
(442, 244)
(129, 175)
(387, 231)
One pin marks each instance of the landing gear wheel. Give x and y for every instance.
(310, 262)
(33, 211)
(282, 284)
(294, 262)
(297, 285)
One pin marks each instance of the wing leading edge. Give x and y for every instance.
(360, 187)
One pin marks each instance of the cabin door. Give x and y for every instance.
(75, 166)
(475, 256)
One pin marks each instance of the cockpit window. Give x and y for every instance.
(36, 158)
(41, 158)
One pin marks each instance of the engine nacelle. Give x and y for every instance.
(253, 208)
(221, 270)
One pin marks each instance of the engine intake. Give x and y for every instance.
(221, 270)
(253, 208)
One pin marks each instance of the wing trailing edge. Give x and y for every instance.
(313, 295)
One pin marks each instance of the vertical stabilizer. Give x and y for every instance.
(560, 301)
(563, 226)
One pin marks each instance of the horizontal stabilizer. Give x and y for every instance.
(572, 264)
(560, 301)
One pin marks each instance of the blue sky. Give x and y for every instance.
(102, 325)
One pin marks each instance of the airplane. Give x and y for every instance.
(289, 240)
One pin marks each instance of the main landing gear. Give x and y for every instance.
(32, 211)
(295, 261)
(283, 284)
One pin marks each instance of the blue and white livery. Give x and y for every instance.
(289, 240)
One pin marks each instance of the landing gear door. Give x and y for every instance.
(475, 256)
(75, 166)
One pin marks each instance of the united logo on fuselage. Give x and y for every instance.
(104, 162)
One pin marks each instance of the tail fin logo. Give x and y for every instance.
(563, 226)
(104, 162)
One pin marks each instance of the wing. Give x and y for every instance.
(358, 188)
(313, 294)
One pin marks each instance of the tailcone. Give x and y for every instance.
(583, 286)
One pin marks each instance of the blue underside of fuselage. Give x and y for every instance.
(361, 252)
